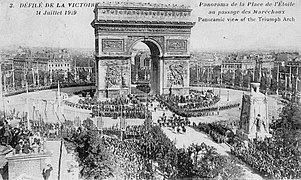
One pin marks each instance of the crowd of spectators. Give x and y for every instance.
(218, 131)
(146, 154)
(196, 104)
(133, 155)
(270, 158)
(128, 107)
(195, 100)
(14, 132)
(23, 140)
(190, 112)
(133, 131)
(130, 160)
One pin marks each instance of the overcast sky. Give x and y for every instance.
(20, 26)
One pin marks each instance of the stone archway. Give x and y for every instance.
(156, 63)
(165, 29)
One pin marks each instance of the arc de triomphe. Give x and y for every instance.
(165, 29)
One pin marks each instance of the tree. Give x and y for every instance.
(88, 124)
(216, 74)
(29, 78)
(228, 77)
(238, 77)
(18, 78)
(83, 74)
(94, 159)
(70, 76)
(58, 75)
(185, 164)
(156, 146)
(247, 79)
(42, 75)
(207, 163)
(136, 158)
(291, 117)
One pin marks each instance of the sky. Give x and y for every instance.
(20, 26)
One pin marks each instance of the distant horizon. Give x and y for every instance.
(192, 49)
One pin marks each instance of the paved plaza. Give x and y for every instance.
(227, 96)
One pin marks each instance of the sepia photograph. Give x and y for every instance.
(139, 90)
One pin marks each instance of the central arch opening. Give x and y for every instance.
(145, 68)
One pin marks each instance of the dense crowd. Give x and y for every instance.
(147, 153)
(205, 111)
(195, 100)
(145, 145)
(128, 107)
(270, 158)
(23, 141)
(133, 131)
(126, 151)
(14, 132)
(133, 157)
(273, 157)
(196, 104)
(218, 131)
